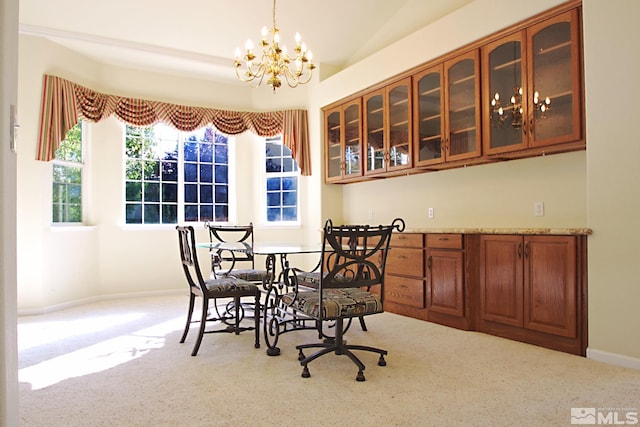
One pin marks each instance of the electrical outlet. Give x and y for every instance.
(370, 214)
(538, 209)
(430, 213)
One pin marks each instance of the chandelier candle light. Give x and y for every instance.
(275, 63)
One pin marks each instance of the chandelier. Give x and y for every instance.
(275, 62)
(512, 113)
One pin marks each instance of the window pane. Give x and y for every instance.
(273, 184)
(170, 193)
(169, 171)
(133, 191)
(191, 172)
(151, 171)
(206, 193)
(151, 213)
(191, 152)
(222, 194)
(169, 214)
(206, 174)
(134, 213)
(273, 199)
(152, 192)
(222, 174)
(74, 193)
(222, 153)
(206, 213)
(289, 198)
(191, 193)
(191, 213)
(222, 213)
(273, 214)
(206, 153)
(289, 214)
(290, 183)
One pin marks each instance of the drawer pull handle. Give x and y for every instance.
(443, 238)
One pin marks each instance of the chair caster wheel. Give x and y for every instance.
(360, 376)
(381, 361)
(305, 372)
(257, 345)
(300, 355)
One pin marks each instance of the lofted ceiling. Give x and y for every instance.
(198, 38)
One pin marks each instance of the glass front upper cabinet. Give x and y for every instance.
(428, 119)
(532, 89)
(387, 122)
(343, 148)
(462, 140)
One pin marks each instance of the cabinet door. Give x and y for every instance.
(445, 282)
(351, 151)
(428, 116)
(463, 106)
(333, 144)
(374, 125)
(550, 300)
(503, 94)
(555, 95)
(501, 286)
(399, 125)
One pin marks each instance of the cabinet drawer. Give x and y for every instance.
(402, 290)
(407, 240)
(406, 262)
(444, 241)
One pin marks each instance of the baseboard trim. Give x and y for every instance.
(74, 303)
(613, 358)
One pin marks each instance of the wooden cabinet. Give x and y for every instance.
(405, 276)
(445, 114)
(387, 128)
(530, 290)
(446, 100)
(531, 87)
(343, 144)
(446, 298)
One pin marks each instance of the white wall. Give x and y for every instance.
(596, 189)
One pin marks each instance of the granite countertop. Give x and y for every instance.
(491, 230)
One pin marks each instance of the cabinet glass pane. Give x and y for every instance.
(553, 81)
(505, 87)
(462, 107)
(399, 126)
(333, 144)
(375, 133)
(352, 159)
(430, 117)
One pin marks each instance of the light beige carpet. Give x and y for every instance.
(119, 363)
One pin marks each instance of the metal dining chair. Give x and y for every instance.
(219, 288)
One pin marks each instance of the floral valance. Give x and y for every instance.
(65, 102)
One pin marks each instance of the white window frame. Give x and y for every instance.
(263, 191)
(83, 180)
(231, 153)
